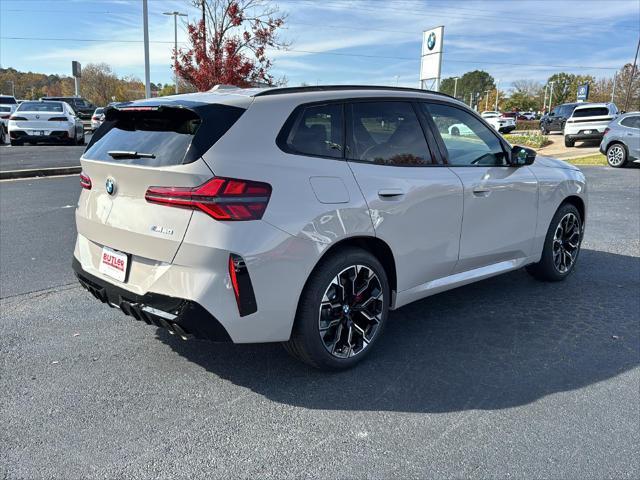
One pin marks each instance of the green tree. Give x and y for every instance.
(565, 86)
(474, 83)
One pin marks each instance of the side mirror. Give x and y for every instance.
(521, 156)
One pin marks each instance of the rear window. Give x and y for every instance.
(167, 135)
(633, 122)
(590, 112)
(99, 111)
(8, 100)
(40, 107)
(317, 130)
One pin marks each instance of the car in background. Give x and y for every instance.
(83, 108)
(499, 121)
(8, 100)
(526, 115)
(97, 118)
(5, 113)
(588, 122)
(554, 121)
(621, 140)
(45, 121)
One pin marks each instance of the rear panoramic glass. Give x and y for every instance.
(163, 135)
(591, 112)
(8, 100)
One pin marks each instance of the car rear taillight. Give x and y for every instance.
(58, 119)
(13, 117)
(606, 130)
(220, 198)
(4, 117)
(85, 181)
(95, 118)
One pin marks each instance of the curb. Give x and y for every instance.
(38, 172)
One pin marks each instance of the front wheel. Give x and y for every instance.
(561, 246)
(569, 142)
(342, 312)
(616, 155)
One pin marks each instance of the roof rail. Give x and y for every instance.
(333, 88)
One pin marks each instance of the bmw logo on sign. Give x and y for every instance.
(110, 185)
(431, 41)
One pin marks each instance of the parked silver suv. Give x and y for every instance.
(303, 215)
(621, 140)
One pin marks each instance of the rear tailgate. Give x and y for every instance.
(137, 148)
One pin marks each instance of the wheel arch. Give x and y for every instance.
(375, 246)
(577, 202)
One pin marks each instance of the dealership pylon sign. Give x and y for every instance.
(431, 61)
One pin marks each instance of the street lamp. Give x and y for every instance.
(497, 95)
(175, 39)
(455, 86)
(486, 100)
(551, 94)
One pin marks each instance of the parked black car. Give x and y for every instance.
(554, 121)
(83, 108)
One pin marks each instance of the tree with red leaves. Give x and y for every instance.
(229, 45)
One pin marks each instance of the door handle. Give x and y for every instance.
(390, 193)
(481, 192)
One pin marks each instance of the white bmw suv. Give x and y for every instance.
(303, 215)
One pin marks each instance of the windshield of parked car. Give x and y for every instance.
(40, 107)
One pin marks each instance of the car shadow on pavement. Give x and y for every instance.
(499, 343)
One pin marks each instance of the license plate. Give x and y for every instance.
(587, 132)
(38, 132)
(114, 264)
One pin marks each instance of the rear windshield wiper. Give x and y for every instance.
(117, 154)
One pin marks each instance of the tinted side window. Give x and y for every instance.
(387, 133)
(633, 122)
(468, 141)
(317, 131)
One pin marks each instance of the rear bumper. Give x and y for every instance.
(585, 136)
(185, 318)
(54, 136)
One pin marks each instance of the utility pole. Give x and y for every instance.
(633, 72)
(455, 86)
(145, 24)
(613, 92)
(486, 100)
(204, 26)
(497, 94)
(544, 102)
(551, 93)
(175, 40)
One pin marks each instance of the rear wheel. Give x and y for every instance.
(616, 155)
(569, 142)
(342, 311)
(561, 246)
(80, 141)
(15, 143)
(543, 130)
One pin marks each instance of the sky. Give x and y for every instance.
(340, 41)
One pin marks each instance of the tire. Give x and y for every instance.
(343, 318)
(617, 155)
(455, 131)
(16, 143)
(569, 142)
(543, 130)
(81, 140)
(547, 269)
(3, 137)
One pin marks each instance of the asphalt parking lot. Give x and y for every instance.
(27, 156)
(506, 378)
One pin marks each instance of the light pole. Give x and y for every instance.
(613, 92)
(145, 25)
(13, 87)
(486, 100)
(544, 102)
(497, 95)
(175, 40)
(551, 93)
(455, 86)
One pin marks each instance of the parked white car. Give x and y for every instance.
(528, 115)
(45, 121)
(499, 122)
(97, 118)
(588, 122)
